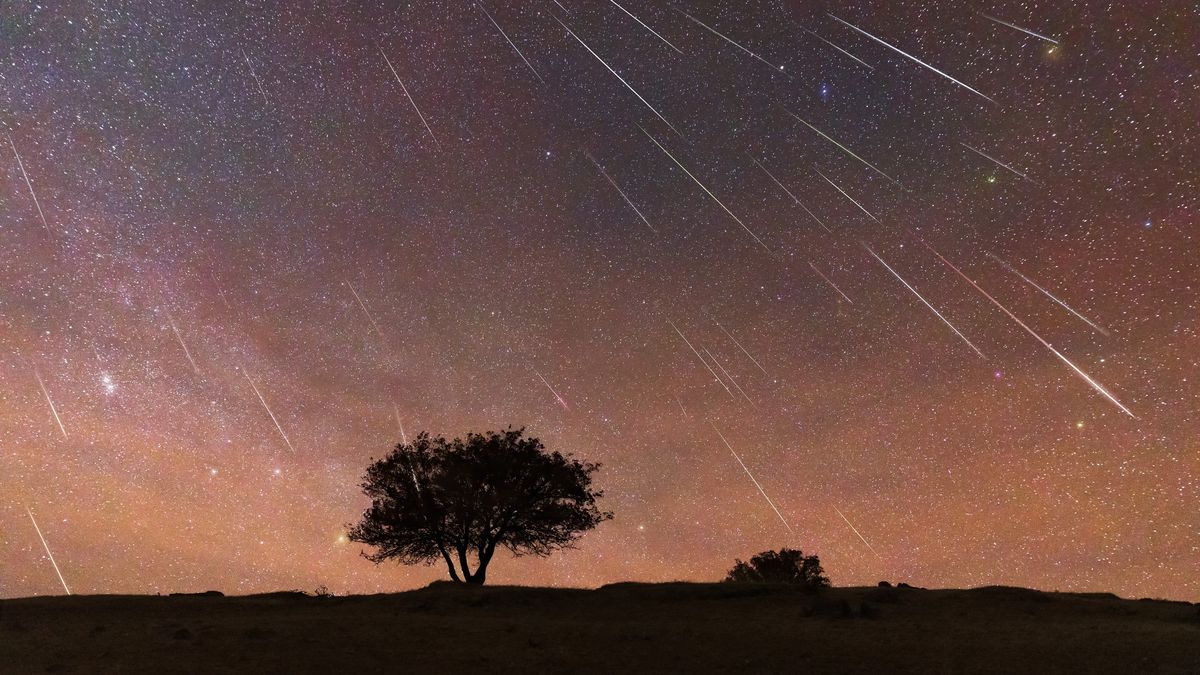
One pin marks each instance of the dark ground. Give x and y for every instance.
(623, 628)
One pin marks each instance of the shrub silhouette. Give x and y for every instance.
(785, 566)
(444, 499)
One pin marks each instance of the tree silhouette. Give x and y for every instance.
(786, 566)
(447, 499)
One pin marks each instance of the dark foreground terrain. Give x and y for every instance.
(623, 628)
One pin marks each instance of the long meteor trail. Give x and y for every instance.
(268, 409)
(50, 401)
(739, 345)
(643, 24)
(996, 161)
(366, 311)
(179, 337)
(618, 76)
(730, 377)
(1099, 388)
(756, 483)
(689, 344)
(910, 56)
(619, 191)
(855, 529)
(1014, 26)
(923, 300)
(1047, 293)
(714, 31)
(706, 190)
(48, 553)
(257, 80)
(409, 97)
(847, 196)
(848, 151)
(29, 184)
(860, 61)
(556, 396)
(789, 193)
(828, 281)
(511, 43)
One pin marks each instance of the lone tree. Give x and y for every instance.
(450, 499)
(786, 566)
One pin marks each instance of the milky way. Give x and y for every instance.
(244, 249)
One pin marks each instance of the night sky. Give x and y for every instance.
(240, 257)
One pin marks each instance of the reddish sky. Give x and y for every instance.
(214, 185)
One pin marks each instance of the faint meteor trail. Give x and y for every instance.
(556, 396)
(689, 344)
(714, 31)
(789, 193)
(618, 76)
(993, 159)
(926, 302)
(409, 97)
(852, 199)
(403, 436)
(186, 352)
(48, 553)
(665, 40)
(510, 42)
(46, 393)
(739, 345)
(1076, 369)
(1016, 27)
(844, 148)
(730, 377)
(756, 483)
(910, 56)
(268, 409)
(29, 184)
(828, 281)
(366, 311)
(619, 191)
(855, 529)
(706, 190)
(1047, 293)
(257, 80)
(864, 63)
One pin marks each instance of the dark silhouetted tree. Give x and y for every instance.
(785, 566)
(455, 499)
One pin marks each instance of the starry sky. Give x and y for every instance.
(922, 274)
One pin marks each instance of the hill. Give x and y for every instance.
(618, 628)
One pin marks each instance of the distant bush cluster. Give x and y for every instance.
(785, 566)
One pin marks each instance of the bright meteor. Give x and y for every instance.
(50, 401)
(511, 43)
(756, 483)
(619, 191)
(1047, 293)
(48, 553)
(1016, 27)
(714, 31)
(848, 151)
(268, 409)
(409, 97)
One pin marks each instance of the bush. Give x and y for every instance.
(786, 566)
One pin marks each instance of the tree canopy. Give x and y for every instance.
(786, 566)
(434, 498)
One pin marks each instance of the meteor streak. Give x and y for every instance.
(48, 553)
(46, 393)
(186, 352)
(689, 344)
(409, 97)
(665, 40)
(257, 80)
(365, 310)
(735, 384)
(835, 186)
(993, 159)
(618, 76)
(403, 436)
(756, 483)
(511, 43)
(1015, 26)
(1076, 369)
(910, 56)
(29, 184)
(556, 396)
(789, 193)
(268, 409)
(619, 191)
(864, 63)
(714, 31)
(844, 148)
(706, 190)
(922, 299)
(739, 345)
(852, 527)
(828, 281)
(1047, 293)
